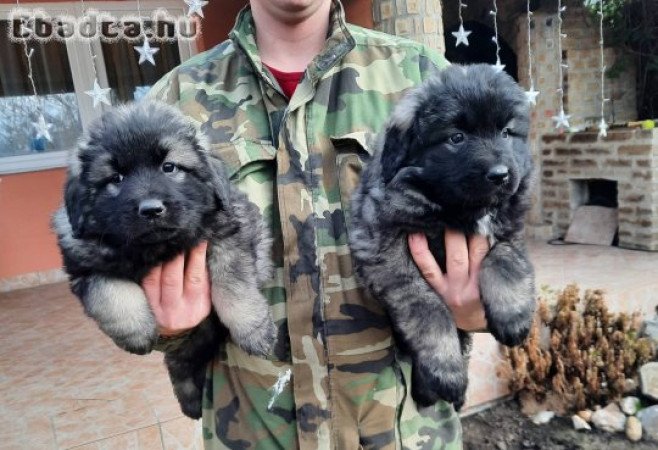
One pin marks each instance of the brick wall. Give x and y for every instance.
(419, 20)
(629, 157)
(583, 86)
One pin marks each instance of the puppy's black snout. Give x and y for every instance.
(151, 208)
(498, 174)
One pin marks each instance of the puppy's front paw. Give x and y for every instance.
(509, 310)
(258, 340)
(509, 329)
(122, 312)
(443, 378)
(507, 290)
(140, 342)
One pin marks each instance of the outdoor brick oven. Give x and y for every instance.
(582, 168)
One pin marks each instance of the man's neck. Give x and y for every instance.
(288, 43)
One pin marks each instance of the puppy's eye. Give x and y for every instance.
(169, 167)
(116, 178)
(505, 133)
(457, 138)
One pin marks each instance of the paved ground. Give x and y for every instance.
(64, 385)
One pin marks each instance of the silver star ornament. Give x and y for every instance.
(603, 128)
(461, 35)
(146, 52)
(43, 128)
(531, 95)
(195, 7)
(99, 94)
(561, 120)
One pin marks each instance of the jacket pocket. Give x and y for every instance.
(243, 156)
(251, 167)
(353, 151)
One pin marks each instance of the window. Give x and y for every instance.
(63, 71)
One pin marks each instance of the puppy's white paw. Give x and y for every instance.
(258, 340)
(122, 312)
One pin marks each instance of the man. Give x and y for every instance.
(290, 103)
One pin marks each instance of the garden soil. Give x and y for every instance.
(503, 427)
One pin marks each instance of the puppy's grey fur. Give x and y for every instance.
(142, 188)
(453, 154)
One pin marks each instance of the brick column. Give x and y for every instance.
(420, 20)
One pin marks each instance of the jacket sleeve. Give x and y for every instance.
(166, 89)
(167, 344)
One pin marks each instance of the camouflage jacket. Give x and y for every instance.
(335, 380)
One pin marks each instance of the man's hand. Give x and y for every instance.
(179, 292)
(459, 286)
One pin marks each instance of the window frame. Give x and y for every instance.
(81, 63)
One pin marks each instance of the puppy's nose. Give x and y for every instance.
(498, 174)
(151, 208)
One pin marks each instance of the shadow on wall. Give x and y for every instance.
(481, 48)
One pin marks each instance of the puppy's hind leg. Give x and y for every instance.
(187, 364)
(507, 289)
(120, 309)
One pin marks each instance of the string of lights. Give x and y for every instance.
(97, 93)
(531, 94)
(603, 126)
(561, 119)
(494, 12)
(41, 126)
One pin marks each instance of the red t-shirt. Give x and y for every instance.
(287, 80)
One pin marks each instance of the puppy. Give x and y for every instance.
(142, 189)
(453, 154)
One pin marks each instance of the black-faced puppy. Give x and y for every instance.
(453, 154)
(141, 189)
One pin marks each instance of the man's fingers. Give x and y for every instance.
(456, 255)
(196, 274)
(151, 286)
(478, 247)
(425, 261)
(172, 280)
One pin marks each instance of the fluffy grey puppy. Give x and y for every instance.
(141, 189)
(453, 154)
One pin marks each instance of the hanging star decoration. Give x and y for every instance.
(146, 52)
(99, 94)
(43, 128)
(499, 66)
(603, 128)
(562, 120)
(461, 35)
(195, 7)
(531, 95)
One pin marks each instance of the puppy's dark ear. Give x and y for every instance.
(396, 147)
(220, 182)
(75, 200)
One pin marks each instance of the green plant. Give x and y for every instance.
(632, 25)
(585, 355)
